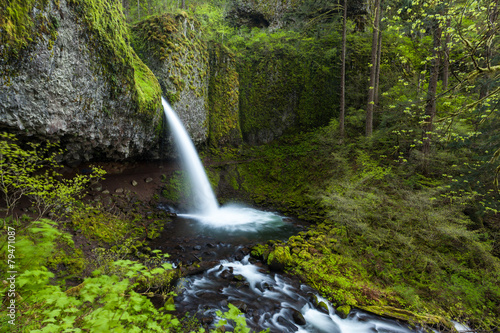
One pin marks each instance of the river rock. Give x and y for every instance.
(134, 183)
(227, 274)
(343, 311)
(298, 318)
(77, 85)
(148, 180)
(242, 306)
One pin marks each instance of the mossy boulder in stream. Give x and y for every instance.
(69, 73)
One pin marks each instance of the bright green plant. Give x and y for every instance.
(102, 303)
(234, 315)
(32, 172)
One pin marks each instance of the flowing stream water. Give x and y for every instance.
(268, 300)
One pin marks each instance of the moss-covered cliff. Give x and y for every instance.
(173, 47)
(286, 84)
(69, 73)
(223, 97)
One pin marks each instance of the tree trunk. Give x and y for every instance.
(430, 106)
(138, 10)
(377, 69)
(183, 6)
(446, 56)
(371, 88)
(342, 74)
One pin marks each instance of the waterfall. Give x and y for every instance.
(204, 198)
(207, 211)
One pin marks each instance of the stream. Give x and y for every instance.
(228, 274)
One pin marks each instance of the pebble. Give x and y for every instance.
(134, 183)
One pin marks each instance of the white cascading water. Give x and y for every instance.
(206, 209)
(272, 301)
(204, 198)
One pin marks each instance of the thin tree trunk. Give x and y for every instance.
(371, 88)
(446, 56)
(430, 106)
(342, 74)
(377, 70)
(138, 10)
(183, 6)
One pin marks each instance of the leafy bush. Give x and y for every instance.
(32, 172)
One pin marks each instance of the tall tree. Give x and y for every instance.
(342, 74)
(373, 71)
(430, 104)
(379, 56)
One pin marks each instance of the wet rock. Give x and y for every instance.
(119, 190)
(59, 88)
(227, 274)
(134, 183)
(286, 323)
(242, 306)
(148, 180)
(105, 192)
(239, 277)
(199, 268)
(197, 247)
(323, 307)
(343, 311)
(298, 318)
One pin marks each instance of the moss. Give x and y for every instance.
(410, 317)
(223, 94)
(161, 37)
(109, 37)
(17, 25)
(343, 311)
(285, 88)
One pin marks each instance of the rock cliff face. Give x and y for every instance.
(285, 88)
(172, 46)
(77, 80)
(223, 96)
(276, 14)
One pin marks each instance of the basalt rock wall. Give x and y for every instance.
(70, 75)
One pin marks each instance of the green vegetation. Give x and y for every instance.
(223, 98)
(386, 237)
(17, 25)
(405, 222)
(32, 172)
(113, 292)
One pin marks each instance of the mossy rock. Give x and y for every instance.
(410, 317)
(343, 311)
(280, 258)
(260, 251)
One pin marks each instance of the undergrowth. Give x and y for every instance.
(386, 236)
